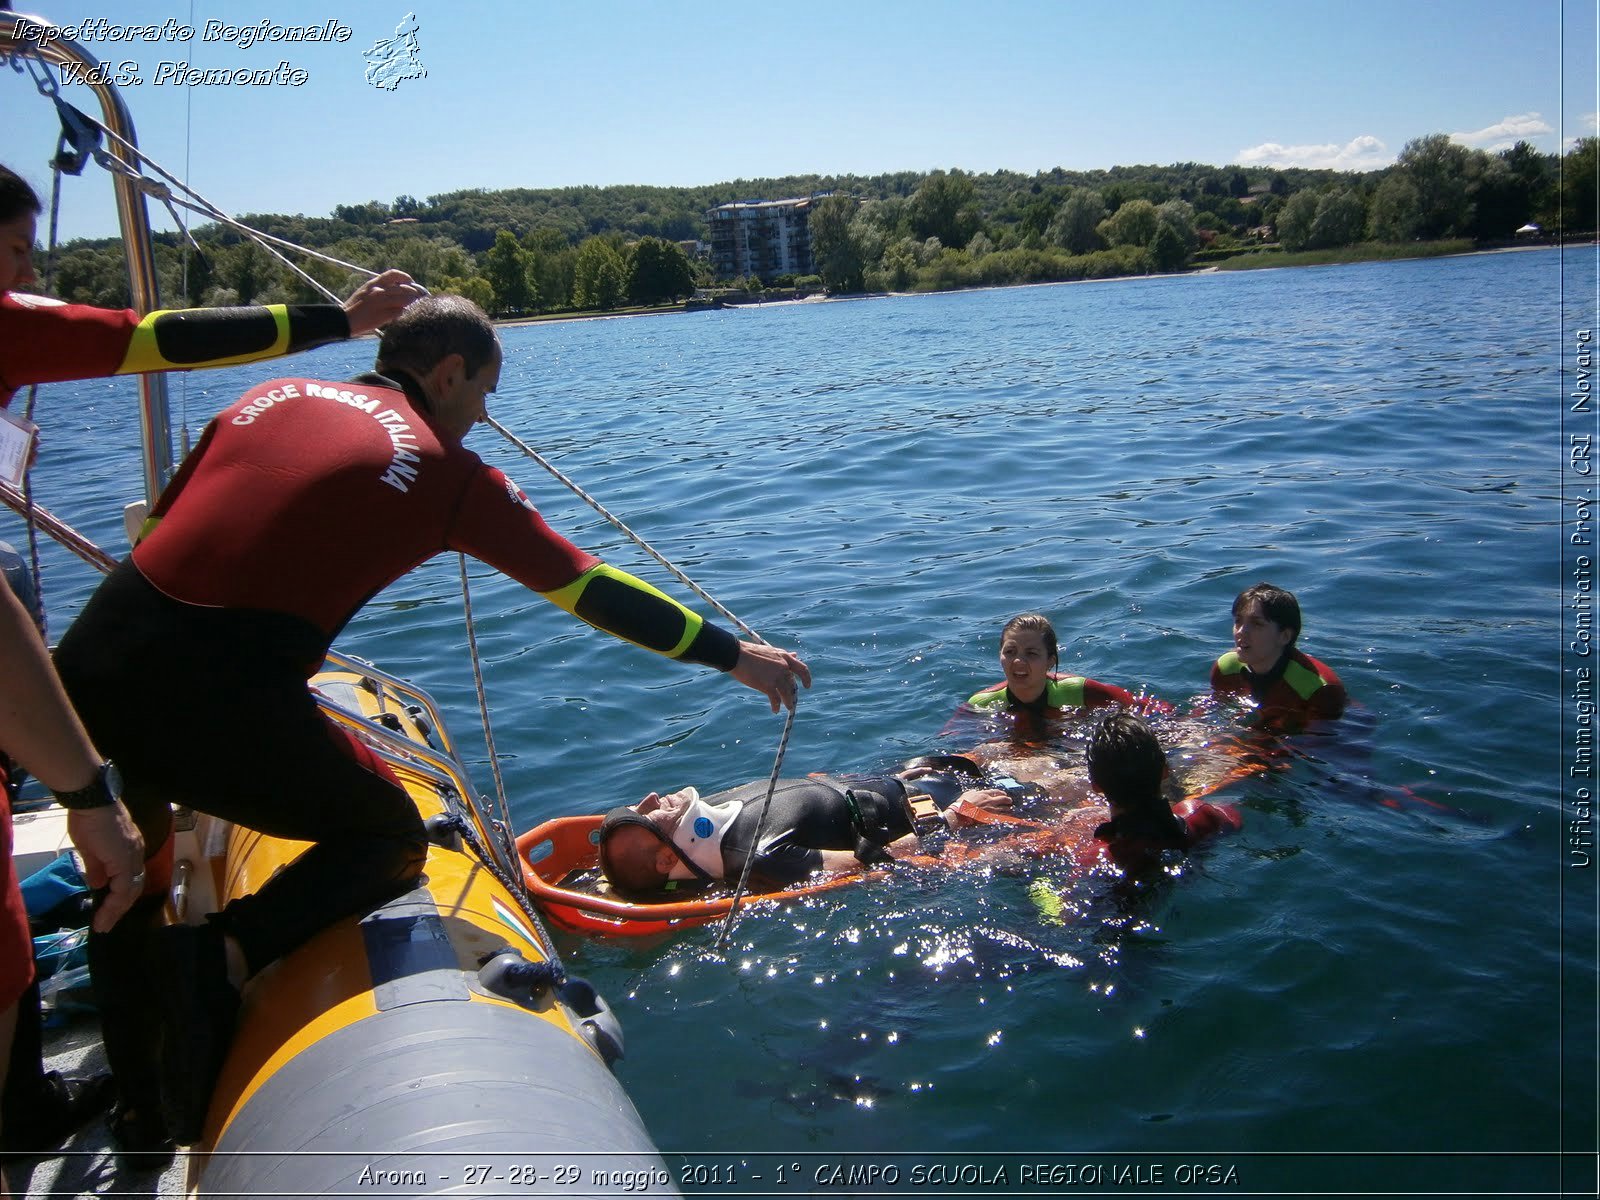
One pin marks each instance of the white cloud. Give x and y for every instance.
(1591, 122)
(1365, 153)
(1505, 133)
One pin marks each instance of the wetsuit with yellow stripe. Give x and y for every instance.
(305, 497)
(1063, 691)
(45, 341)
(1297, 689)
(189, 663)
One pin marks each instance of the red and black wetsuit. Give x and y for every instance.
(43, 340)
(189, 663)
(1134, 849)
(1297, 690)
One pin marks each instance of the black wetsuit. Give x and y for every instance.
(806, 817)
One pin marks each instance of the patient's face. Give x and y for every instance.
(636, 859)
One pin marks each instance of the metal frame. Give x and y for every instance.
(155, 426)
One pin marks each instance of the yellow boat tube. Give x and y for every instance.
(434, 1044)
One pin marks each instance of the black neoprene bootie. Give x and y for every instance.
(197, 1021)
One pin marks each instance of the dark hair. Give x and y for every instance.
(622, 874)
(1126, 761)
(1280, 607)
(16, 197)
(432, 329)
(1033, 623)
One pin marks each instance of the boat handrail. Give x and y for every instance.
(442, 771)
(360, 666)
(27, 35)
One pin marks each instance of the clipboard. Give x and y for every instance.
(18, 436)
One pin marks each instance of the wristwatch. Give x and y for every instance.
(104, 789)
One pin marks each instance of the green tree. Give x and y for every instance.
(1578, 197)
(901, 259)
(1178, 215)
(248, 270)
(551, 264)
(89, 275)
(1440, 171)
(943, 207)
(474, 287)
(1340, 220)
(1167, 249)
(836, 244)
(659, 271)
(870, 237)
(1299, 213)
(1500, 201)
(599, 279)
(1534, 174)
(1074, 224)
(427, 259)
(1133, 224)
(505, 267)
(1393, 215)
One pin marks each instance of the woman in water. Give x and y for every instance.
(1032, 684)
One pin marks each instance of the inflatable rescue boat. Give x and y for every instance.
(434, 1032)
(432, 1046)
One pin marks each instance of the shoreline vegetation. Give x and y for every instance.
(1270, 259)
(548, 254)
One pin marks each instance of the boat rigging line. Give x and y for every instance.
(83, 134)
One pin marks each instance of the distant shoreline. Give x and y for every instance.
(1290, 261)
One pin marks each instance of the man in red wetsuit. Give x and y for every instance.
(189, 664)
(1288, 686)
(43, 340)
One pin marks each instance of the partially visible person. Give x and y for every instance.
(302, 500)
(1029, 658)
(45, 341)
(1128, 767)
(1287, 686)
(814, 824)
(1136, 832)
(40, 731)
(38, 1108)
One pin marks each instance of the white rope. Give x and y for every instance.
(620, 525)
(270, 243)
(788, 724)
(483, 697)
(761, 825)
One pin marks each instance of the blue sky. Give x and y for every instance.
(557, 92)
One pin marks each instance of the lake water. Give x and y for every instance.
(1345, 997)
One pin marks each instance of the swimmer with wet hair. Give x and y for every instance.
(1029, 660)
(1265, 666)
(1127, 766)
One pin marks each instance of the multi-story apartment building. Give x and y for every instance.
(765, 238)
